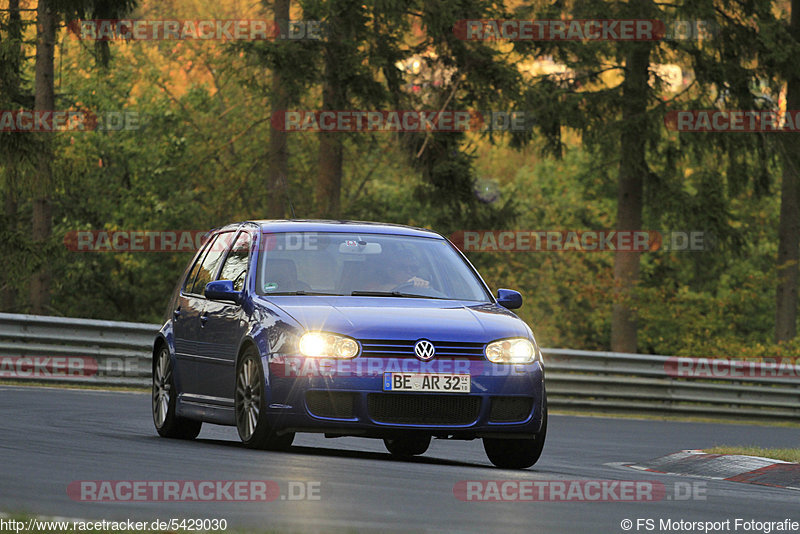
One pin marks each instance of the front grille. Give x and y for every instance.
(510, 409)
(331, 404)
(400, 348)
(411, 409)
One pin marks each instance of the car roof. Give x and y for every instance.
(312, 225)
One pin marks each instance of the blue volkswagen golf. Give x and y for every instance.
(347, 329)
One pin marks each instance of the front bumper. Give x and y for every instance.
(309, 396)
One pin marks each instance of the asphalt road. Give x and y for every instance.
(52, 437)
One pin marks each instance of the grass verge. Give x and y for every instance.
(62, 385)
(676, 418)
(787, 455)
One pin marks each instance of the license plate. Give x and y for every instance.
(433, 382)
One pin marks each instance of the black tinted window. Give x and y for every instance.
(189, 282)
(216, 250)
(235, 266)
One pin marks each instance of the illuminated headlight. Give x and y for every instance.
(512, 350)
(325, 345)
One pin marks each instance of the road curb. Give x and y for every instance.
(732, 467)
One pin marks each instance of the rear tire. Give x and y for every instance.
(517, 453)
(167, 422)
(250, 403)
(408, 445)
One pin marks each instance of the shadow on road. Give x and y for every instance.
(344, 453)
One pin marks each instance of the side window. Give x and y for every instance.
(235, 266)
(216, 251)
(189, 282)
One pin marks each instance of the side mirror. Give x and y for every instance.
(222, 290)
(508, 298)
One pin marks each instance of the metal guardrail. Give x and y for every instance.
(76, 351)
(640, 384)
(119, 354)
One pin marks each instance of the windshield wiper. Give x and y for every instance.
(393, 294)
(303, 293)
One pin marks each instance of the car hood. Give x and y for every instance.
(402, 318)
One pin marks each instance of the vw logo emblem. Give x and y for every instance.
(424, 350)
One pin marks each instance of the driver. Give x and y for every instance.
(397, 273)
(402, 272)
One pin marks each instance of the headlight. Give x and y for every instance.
(325, 345)
(512, 350)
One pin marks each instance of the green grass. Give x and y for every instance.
(787, 455)
(677, 418)
(62, 385)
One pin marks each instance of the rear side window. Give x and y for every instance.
(235, 266)
(189, 282)
(208, 267)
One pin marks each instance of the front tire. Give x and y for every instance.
(408, 445)
(517, 453)
(167, 422)
(250, 406)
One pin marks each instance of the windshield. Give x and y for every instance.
(367, 265)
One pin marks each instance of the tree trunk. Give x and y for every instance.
(327, 196)
(11, 88)
(278, 171)
(12, 84)
(45, 101)
(8, 291)
(789, 225)
(632, 171)
(329, 181)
